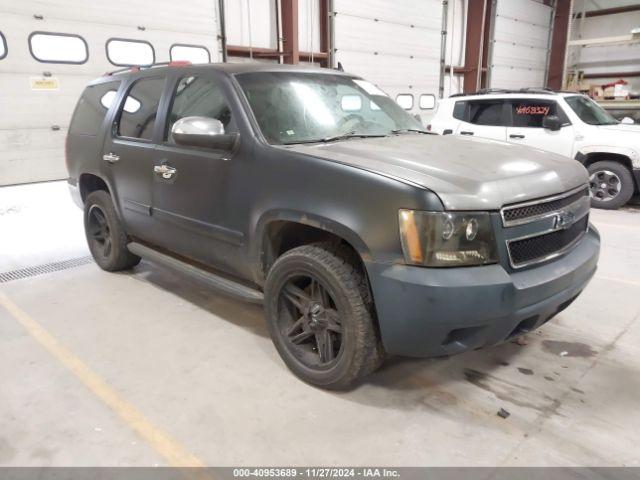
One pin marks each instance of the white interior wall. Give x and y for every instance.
(456, 37)
(309, 25)
(602, 59)
(251, 23)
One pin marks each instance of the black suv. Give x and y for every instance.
(311, 191)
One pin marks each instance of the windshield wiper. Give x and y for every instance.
(335, 138)
(405, 130)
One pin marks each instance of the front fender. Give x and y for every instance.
(310, 219)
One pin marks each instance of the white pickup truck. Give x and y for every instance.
(569, 124)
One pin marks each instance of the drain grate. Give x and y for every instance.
(42, 269)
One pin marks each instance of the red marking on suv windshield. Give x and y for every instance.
(532, 110)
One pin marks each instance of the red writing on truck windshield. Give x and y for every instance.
(532, 110)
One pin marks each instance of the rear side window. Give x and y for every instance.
(530, 113)
(139, 109)
(3, 46)
(488, 113)
(48, 47)
(459, 110)
(127, 53)
(92, 108)
(199, 97)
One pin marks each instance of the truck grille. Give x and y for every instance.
(547, 246)
(525, 213)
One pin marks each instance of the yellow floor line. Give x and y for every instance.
(172, 451)
(620, 280)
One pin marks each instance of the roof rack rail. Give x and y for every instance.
(488, 91)
(137, 68)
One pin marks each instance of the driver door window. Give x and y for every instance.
(199, 97)
(527, 116)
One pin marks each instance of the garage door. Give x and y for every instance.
(395, 45)
(38, 97)
(519, 52)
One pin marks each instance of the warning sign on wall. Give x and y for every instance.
(44, 83)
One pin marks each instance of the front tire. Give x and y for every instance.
(318, 318)
(610, 184)
(106, 237)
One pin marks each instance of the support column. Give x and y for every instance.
(476, 47)
(559, 44)
(290, 31)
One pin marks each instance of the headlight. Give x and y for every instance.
(447, 239)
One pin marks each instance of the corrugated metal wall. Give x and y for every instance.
(35, 116)
(397, 48)
(520, 47)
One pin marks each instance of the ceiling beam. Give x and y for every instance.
(609, 11)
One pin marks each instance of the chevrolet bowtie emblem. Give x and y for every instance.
(563, 220)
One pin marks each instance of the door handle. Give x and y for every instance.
(516, 135)
(448, 131)
(466, 133)
(165, 171)
(111, 157)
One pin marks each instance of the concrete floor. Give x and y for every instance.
(149, 368)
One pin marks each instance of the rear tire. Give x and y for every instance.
(106, 237)
(611, 185)
(318, 318)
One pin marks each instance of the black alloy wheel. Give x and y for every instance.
(310, 321)
(98, 230)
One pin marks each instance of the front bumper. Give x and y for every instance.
(426, 312)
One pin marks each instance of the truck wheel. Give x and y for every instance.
(318, 319)
(611, 185)
(106, 238)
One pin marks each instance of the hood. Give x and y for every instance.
(466, 173)
(622, 127)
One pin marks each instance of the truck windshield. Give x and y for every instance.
(589, 111)
(308, 107)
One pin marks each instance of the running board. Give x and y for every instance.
(220, 283)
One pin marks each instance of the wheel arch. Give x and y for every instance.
(281, 230)
(627, 158)
(89, 182)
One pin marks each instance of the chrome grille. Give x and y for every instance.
(543, 247)
(531, 211)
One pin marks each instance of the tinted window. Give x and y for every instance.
(92, 108)
(58, 47)
(126, 53)
(190, 53)
(459, 110)
(486, 113)
(199, 97)
(529, 113)
(3, 46)
(139, 122)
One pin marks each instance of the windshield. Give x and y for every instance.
(308, 107)
(589, 111)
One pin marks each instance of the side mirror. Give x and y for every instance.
(551, 122)
(627, 121)
(203, 132)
